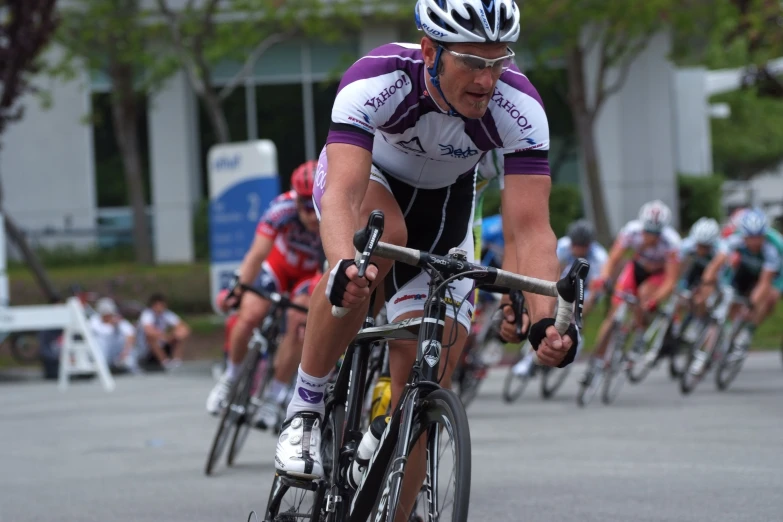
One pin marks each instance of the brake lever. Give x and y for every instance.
(518, 305)
(364, 241)
(367, 239)
(572, 287)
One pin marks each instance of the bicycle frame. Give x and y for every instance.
(349, 389)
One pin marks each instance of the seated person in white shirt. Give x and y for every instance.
(161, 334)
(114, 335)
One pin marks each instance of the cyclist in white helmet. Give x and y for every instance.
(754, 253)
(696, 252)
(409, 124)
(651, 274)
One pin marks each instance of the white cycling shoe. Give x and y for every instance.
(219, 394)
(299, 447)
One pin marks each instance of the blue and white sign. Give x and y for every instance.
(243, 180)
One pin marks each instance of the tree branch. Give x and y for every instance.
(191, 68)
(605, 92)
(260, 49)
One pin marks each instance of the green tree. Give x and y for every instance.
(117, 36)
(26, 28)
(202, 35)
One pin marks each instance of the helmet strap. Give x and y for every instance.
(435, 80)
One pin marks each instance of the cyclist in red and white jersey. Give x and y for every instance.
(284, 256)
(652, 272)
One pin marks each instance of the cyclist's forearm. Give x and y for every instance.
(536, 257)
(339, 222)
(251, 264)
(615, 255)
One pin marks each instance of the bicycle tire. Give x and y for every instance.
(614, 376)
(228, 416)
(728, 369)
(24, 347)
(689, 380)
(440, 410)
(244, 424)
(586, 394)
(646, 367)
(552, 379)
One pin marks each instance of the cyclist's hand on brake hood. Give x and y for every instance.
(345, 288)
(552, 349)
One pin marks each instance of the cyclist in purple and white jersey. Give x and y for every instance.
(409, 124)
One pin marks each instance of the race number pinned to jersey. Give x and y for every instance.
(243, 180)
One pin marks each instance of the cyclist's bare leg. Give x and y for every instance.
(326, 337)
(290, 351)
(646, 291)
(252, 311)
(402, 355)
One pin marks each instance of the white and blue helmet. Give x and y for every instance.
(753, 222)
(705, 231)
(468, 21)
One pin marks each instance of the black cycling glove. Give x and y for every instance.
(538, 333)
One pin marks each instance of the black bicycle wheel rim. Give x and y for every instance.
(552, 380)
(729, 368)
(688, 380)
(281, 486)
(245, 422)
(510, 392)
(614, 376)
(439, 408)
(227, 419)
(24, 347)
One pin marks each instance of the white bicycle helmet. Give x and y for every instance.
(468, 21)
(705, 231)
(753, 222)
(655, 216)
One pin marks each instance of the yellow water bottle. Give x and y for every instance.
(381, 397)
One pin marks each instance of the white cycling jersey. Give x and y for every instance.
(383, 106)
(651, 258)
(596, 256)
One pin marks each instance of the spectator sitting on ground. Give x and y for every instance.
(161, 334)
(114, 335)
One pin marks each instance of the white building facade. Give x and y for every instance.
(48, 167)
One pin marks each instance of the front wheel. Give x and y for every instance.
(552, 379)
(233, 411)
(515, 383)
(699, 358)
(615, 377)
(730, 365)
(260, 379)
(442, 424)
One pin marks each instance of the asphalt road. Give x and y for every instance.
(138, 453)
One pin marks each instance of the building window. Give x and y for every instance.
(281, 119)
(323, 100)
(235, 108)
(109, 170)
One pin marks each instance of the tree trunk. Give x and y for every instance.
(216, 114)
(124, 110)
(583, 123)
(31, 259)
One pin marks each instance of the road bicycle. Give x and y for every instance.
(425, 410)
(256, 372)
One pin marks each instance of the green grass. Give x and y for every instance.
(91, 272)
